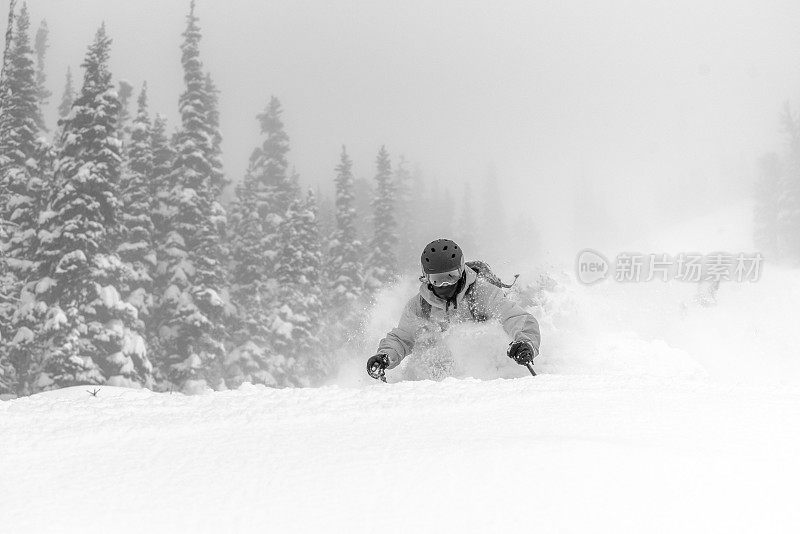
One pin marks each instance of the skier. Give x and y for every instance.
(453, 292)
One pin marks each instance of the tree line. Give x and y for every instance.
(121, 265)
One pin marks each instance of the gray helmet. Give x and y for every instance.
(441, 256)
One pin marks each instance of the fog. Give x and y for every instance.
(599, 121)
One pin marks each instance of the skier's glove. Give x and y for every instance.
(376, 366)
(522, 352)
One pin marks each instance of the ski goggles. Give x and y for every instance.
(444, 279)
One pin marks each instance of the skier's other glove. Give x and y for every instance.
(522, 352)
(376, 366)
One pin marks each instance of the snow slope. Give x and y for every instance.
(651, 413)
(551, 454)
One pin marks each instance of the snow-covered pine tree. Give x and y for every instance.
(5, 120)
(137, 248)
(67, 97)
(124, 93)
(40, 46)
(251, 290)
(262, 201)
(160, 185)
(191, 316)
(20, 100)
(24, 349)
(297, 324)
(8, 377)
(218, 178)
(270, 164)
(765, 208)
(24, 173)
(212, 109)
(89, 335)
(8, 282)
(344, 266)
(382, 259)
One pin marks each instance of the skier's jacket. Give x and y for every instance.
(478, 300)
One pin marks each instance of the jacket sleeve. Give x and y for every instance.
(519, 324)
(400, 341)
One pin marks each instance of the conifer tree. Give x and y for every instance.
(262, 201)
(23, 349)
(124, 93)
(89, 335)
(9, 37)
(41, 45)
(345, 266)
(192, 312)
(382, 263)
(8, 377)
(24, 175)
(160, 190)
(218, 178)
(137, 247)
(67, 97)
(160, 185)
(297, 325)
(212, 109)
(21, 115)
(8, 282)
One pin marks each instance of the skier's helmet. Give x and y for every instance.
(442, 262)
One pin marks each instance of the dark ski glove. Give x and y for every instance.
(377, 365)
(522, 352)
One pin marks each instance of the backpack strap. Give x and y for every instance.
(426, 308)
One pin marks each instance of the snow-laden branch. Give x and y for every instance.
(9, 298)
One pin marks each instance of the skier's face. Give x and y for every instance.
(446, 292)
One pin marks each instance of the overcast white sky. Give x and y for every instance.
(622, 93)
